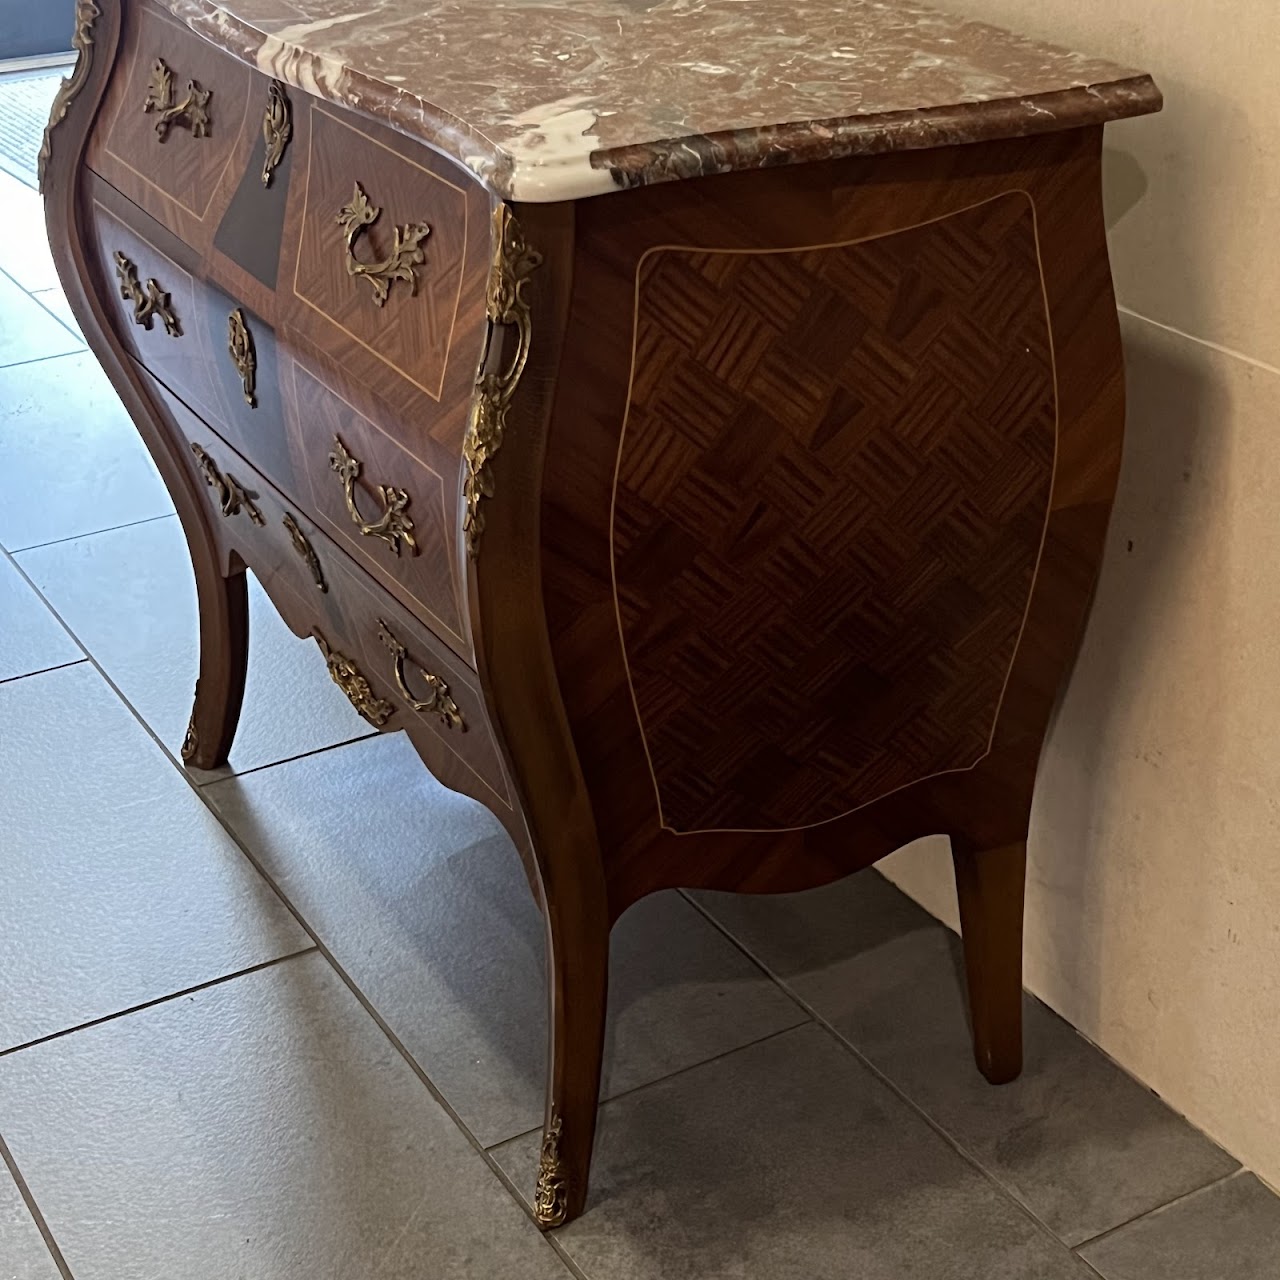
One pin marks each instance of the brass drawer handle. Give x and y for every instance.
(190, 113)
(148, 303)
(243, 355)
(392, 526)
(437, 700)
(232, 497)
(305, 550)
(277, 129)
(346, 675)
(406, 249)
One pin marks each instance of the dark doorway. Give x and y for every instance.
(30, 30)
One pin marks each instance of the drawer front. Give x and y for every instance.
(392, 319)
(381, 249)
(361, 479)
(396, 672)
(388, 507)
(172, 133)
(215, 352)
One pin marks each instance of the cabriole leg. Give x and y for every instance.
(578, 974)
(991, 885)
(224, 656)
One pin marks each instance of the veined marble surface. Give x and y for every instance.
(553, 101)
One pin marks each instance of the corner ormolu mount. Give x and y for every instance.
(513, 263)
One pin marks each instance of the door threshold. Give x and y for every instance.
(39, 62)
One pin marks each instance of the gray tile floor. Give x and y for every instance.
(285, 1022)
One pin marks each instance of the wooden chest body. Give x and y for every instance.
(729, 533)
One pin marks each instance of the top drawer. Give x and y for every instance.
(172, 128)
(381, 258)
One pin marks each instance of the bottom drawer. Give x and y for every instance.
(396, 673)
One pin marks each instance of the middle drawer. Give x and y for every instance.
(284, 411)
(396, 672)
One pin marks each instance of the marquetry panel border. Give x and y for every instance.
(1050, 489)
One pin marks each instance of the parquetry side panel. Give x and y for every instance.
(831, 494)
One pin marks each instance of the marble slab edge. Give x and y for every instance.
(805, 141)
(581, 174)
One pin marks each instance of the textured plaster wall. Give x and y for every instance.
(1153, 912)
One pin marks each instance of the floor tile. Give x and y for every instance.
(421, 897)
(27, 330)
(24, 242)
(1230, 1230)
(788, 1160)
(130, 598)
(1079, 1141)
(23, 1252)
(55, 302)
(119, 885)
(31, 638)
(73, 462)
(264, 1128)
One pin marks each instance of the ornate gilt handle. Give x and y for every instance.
(243, 356)
(191, 112)
(393, 526)
(277, 129)
(147, 303)
(305, 550)
(348, 677)
(406, 249)
(232, 497)
(437, 699)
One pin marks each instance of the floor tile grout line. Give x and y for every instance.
(368, 1006)
(673, 1075)
(432, 1088)
(110, 683)
(396, 1043)
(197, 786)
(12, 560)
(89, 533)
(57, 355)
(6, 1157)
(220, 778)
(8, 275)
(317, 943)
(995, 1180)
(1005, 1192)
(57, 666)
(33, 294)
(1241, 1172)
(151, 1004)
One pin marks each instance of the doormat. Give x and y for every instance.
(25, 100)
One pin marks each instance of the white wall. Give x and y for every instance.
(1153, 911)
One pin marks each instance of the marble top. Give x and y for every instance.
(549, 100)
